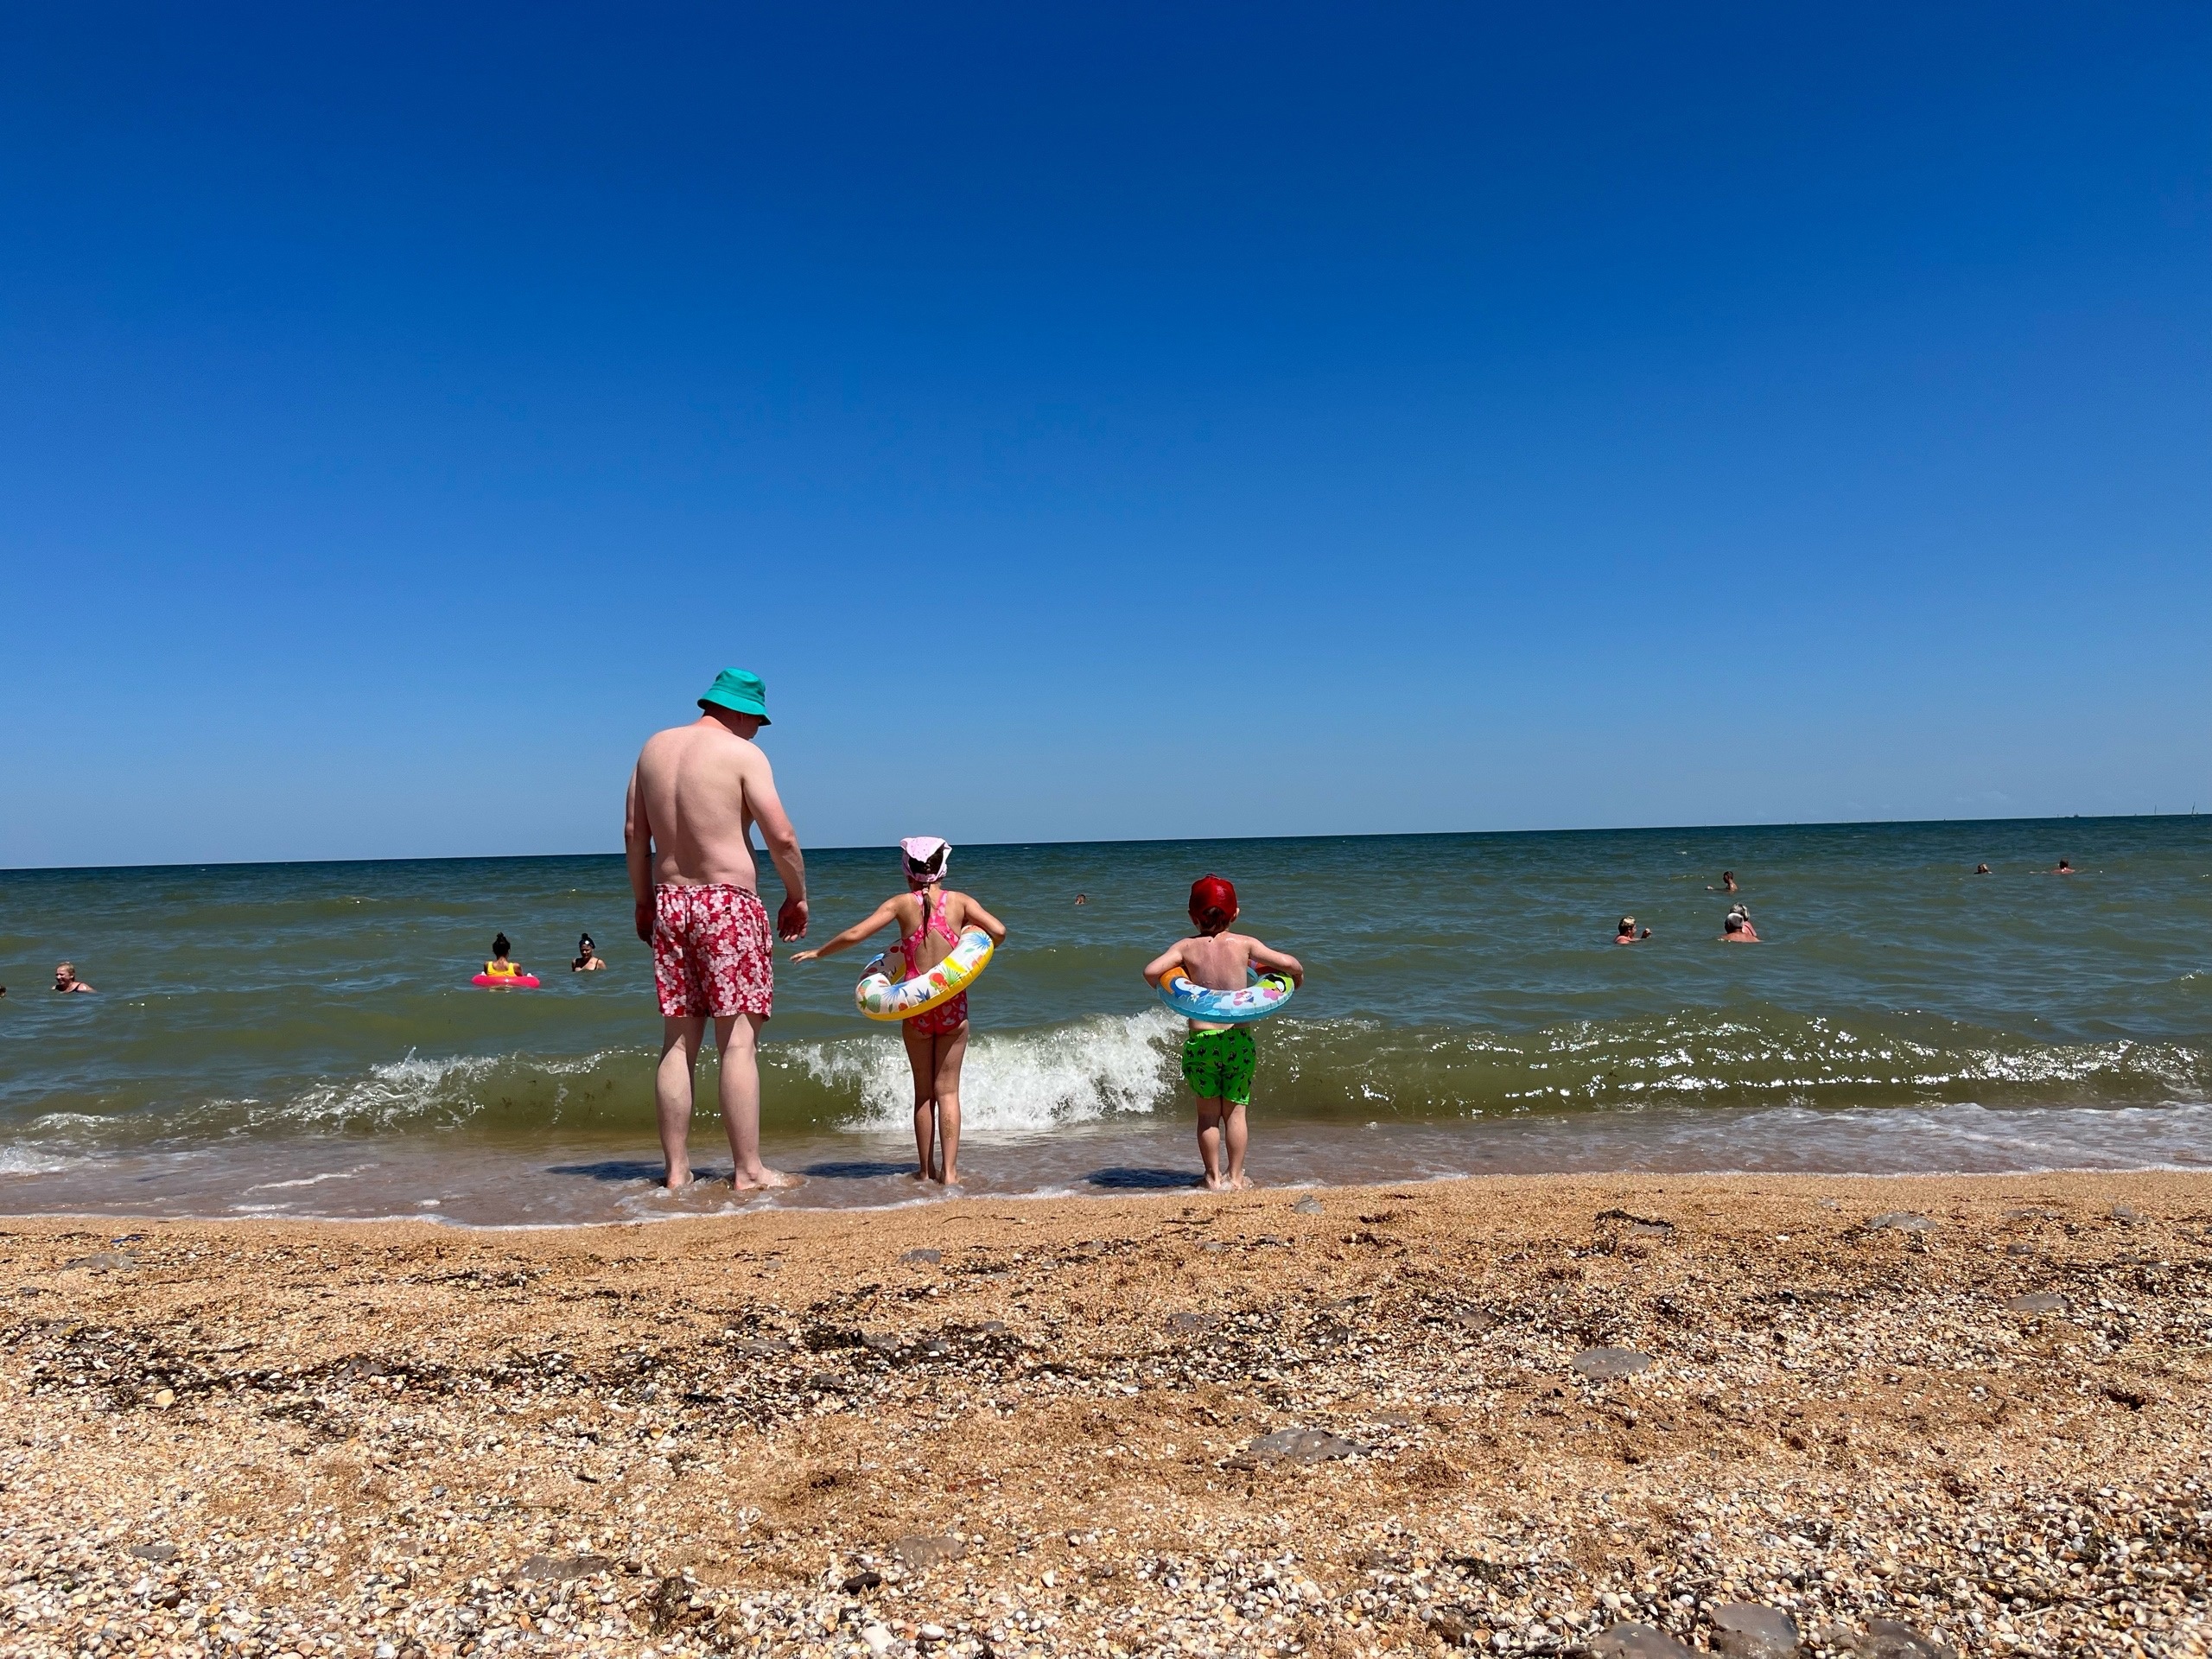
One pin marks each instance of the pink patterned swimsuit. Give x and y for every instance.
(952, 1013)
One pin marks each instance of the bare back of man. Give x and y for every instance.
(696, 795)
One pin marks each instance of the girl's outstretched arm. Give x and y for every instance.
(1279, 962)
(978, 917)
(852, 935)
(1163, 964)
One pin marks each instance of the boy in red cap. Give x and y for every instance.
(1218, 1060)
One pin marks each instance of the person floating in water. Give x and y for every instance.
(2064, 868)
(1082, 898)
(500, 967)
(931, 918)
(1217, 1059)
(1738, 929)
(1626, 933)
(1727, 883)
(1981, 869)
(587, 959)
(64, 978)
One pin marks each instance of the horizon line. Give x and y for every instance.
(1146, 840)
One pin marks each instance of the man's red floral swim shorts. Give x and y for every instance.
(711, 952)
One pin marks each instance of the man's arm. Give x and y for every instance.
(776, 830)
(637, 848)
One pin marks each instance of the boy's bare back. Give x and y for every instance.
(1219, 963)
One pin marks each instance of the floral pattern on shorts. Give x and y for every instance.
(711, 952)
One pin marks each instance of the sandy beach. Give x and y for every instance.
(1505, 1414)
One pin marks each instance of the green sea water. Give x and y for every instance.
(303, 1038)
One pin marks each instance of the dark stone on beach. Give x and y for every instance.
(1637, 1226)
(867, 1579)
(880, 1342)
(1303, 1446)
(156, 1553)
(1395, 1420)
(2036, 1301)
(101, 1261)
(1745, 1630)
(1187, 1325)
(1899, 1221)
(1213, 1245)
(2031, 1212)
(670, 1605)
(1477, 1320)
(1604, 1364)
(756, 1348)
(924, 1257)
(2127, 1214)
(1308, 1205)
(1635, 1641)
(928, 1548)
(2020, 1249)
(1451, 1626)
(559, 1569)
(1887, 1639)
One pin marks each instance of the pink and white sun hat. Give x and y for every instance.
(926, 858)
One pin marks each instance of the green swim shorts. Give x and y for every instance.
(1217, 1064)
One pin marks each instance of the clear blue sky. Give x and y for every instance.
(1098, 421)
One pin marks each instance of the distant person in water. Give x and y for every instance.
(931, 917)
(1738, 929)
(1218, 1059)
(64, 978)
(2064, 868)
(587, 960)
(1727, 882)
(1626, 933)
(695, 796)
(1981, 869)
(500, 967)
(1082, 898)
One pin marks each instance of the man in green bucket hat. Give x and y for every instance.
(695, 795)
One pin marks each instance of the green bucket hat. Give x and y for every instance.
(739, 692)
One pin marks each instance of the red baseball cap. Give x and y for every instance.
(1212, 900)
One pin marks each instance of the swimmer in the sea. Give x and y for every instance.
(1981, 869)
(2064, 868)
(1082, 898)
(587, 959)
(64, 978)
(1738, 929)
(1626, 933)
(500, 967)
(1727, 883)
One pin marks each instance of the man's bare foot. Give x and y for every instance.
(673, 1182)
(760, 1180)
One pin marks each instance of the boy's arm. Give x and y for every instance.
(1163, 964)
(1278, 962)
(852, 935)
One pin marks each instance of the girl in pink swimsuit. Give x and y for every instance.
(931, 918)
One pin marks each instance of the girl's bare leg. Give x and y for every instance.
(950, 1052)
(921, 1057)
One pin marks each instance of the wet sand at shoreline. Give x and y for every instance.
(1508, 1413)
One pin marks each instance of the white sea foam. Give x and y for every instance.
(1013, 1083)
(21, 1161)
